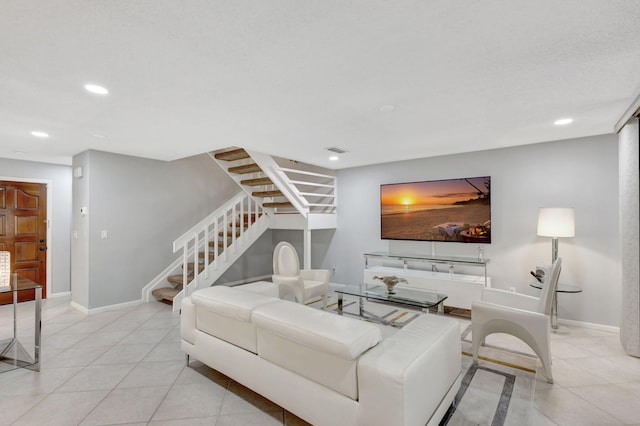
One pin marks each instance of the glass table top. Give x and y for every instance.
(428, 258)
(19, 283)
(406, 296)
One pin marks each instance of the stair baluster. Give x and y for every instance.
(203, 240)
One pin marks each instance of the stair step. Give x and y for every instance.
(229, 234)
(274, 193)
(177, 279)
(212, 255)
(232, 155)
(247, 168)
(248, 220)
(190, 267)
(220, 245)
(252, 215)
(166, 293)
(277, 204)
(257, 181)
(212, 244)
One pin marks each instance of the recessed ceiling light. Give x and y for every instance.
(99, 136)
(334, 158)
(387, 108)
(39, 134)
(94, 88)
(17, 151)
(563, 121)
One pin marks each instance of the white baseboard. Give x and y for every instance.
(105, 308)
(79, 307)
(61, 294)
(590, 325)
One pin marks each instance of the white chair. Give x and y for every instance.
(522, 316)
(303, 283)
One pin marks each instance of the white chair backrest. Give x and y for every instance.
(285, 260)
(549, 286)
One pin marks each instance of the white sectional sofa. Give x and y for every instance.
(326, 369)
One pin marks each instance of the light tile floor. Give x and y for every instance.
(126, 367)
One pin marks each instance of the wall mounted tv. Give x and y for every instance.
(454, 210)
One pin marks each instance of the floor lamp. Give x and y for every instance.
(556, 223)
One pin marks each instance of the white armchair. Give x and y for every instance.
(305, 283)
(522, 316)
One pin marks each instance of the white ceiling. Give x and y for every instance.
(292, 77)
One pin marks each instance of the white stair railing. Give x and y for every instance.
(314, 185)
(319, 186)
(237, 235)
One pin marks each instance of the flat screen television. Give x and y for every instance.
(454, 210)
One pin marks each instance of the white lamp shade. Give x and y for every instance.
(556, 222)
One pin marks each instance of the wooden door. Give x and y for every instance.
(23, 232)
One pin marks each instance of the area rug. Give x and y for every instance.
(498, 390)
(492, 394)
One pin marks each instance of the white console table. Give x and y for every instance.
(461, 289)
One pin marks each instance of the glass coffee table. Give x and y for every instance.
(401, 296)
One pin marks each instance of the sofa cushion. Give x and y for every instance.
(225, 313)
(230, 302)
(319, 330)
(320, 346)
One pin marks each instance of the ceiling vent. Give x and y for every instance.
(336, 150)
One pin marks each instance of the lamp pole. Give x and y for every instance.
(554, 249)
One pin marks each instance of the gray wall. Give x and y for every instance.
(80, 247)
(143, 205)
(254, 263)
(320, 242)
(60, 199)
(580, 173)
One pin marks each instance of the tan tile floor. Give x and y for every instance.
(126, 367)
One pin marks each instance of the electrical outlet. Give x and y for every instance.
(512, 289)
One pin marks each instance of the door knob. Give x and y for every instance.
(42, 248)
(42, 240)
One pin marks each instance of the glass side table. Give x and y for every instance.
(562, 288)
(12, 354)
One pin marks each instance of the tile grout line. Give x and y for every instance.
(90, 364)
(54, 391)
(136, 365)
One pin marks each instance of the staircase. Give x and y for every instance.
(213, 245)
(272, 196)
(279, 190)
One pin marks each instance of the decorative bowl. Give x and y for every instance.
(390, 281)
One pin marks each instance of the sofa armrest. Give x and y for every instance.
(187, 320)
(404, 379)
(287, 285)
(322, 275)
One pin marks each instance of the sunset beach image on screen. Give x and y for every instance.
(455, 210)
